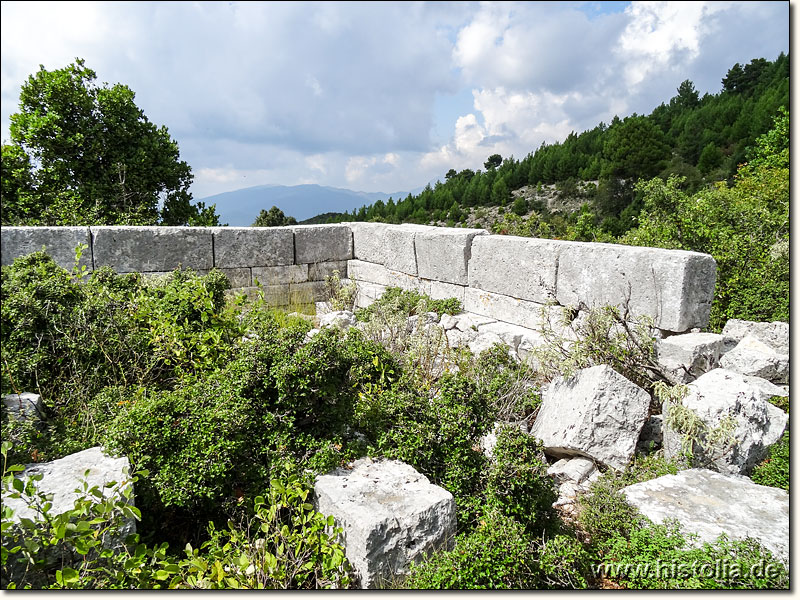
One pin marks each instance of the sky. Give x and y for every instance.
(382, 96)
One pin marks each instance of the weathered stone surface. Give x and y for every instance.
(511, 335)
(440, 290)
(675, 287)
(322, 243)
(374, 273)
(367, 293)
(252, 246)
(710, 504)
(61, 477)
(26, 406)
(369, 241)
(457, 338)
(128, 249)
(685, 357)
(448, 321)
(307, 293)
(483, 341)
(775, 334)
(400, 243)
(59, 242)
(321, 271)
(596, 413)
(341, 319)
(391, 516)
(755, 358)
(527, 314)
(721, 394)
(278, 275)
(520, 267)
(239, 277)
(443, 253)
(652, 435)
(471, 321)
(575, 470)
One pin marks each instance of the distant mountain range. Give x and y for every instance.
(241, 207)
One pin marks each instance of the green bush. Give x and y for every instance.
(774, 470)
(408, 302)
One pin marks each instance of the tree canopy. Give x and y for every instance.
(83, 153)
(273, 217)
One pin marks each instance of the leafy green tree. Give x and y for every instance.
(520, 207)
(636, 148)
(273, 217)
(494, 161)
(93, 158)
(710, 158)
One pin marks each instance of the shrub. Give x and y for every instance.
(408, 302)
(774, 470)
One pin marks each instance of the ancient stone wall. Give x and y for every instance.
(502, 277)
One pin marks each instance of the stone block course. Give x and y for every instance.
(128, 249)
(323, 270)
(322, 243)
(444, 253)
(674, 286)
(524, 313)
(59, 242)
(520, 267)
(252, 246)
(278, 275)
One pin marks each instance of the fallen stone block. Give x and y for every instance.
(443, 253)
(675, 287)
(774, 334)
(755, 358)
(391, 516)
(26, 406)
(59, 242)
(709, 504)
(252, 246)
(63, 476)
(596, 413)
(484, 341)
(367, 293)
(575, 470)
(687, 356)
(341, 319)
(725, 396)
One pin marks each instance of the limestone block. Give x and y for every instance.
(391, 516)
(369, 241)
(687, 356)
(471, 321)
(323, 270)
(274, 295)
(448, 321)
(367, 293)
(755, 358)
(322, 243)
(596, 413)
(359, 270)
(278, 275)
(675, 287)
(443, 253)
(253, 246)
(239, 278)
(575, 470)
(709, 504)
(510, 334)
(457, 338)
(524, 313)
(307, 293)
(720, 394)
(775, 334)
(440, 290)
(340, 319)
(514, 266)
(400, 254)
(128, 249)
(59, 242)
(61, 477)
(26, 406)
(483, 341)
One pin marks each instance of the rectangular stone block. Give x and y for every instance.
(388, 245)
(360, 270)
(443, 253)
(524, 313)
(253, 246)
(307, 292)
(675, 287)
(322, 243)
(369, 241)
(59, 242)
(321, 271)
(127, 249)
(367, 293)
(239, 278)
(521, 267)
(276, 295)
(277, 275)
(441, 291)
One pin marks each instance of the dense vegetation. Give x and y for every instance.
(83, 154)
(227, 411)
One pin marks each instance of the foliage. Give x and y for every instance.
(340, 296)
(86, 154)
(506, 381)
(408, 303)
(774, 470)
(274, 217)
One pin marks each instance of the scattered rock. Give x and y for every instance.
(685, 357)
(721, 394)
(483, 342)
(753, 357)
(575, 469)
(391, 516)
(595, 413)
(448, 322)
(341, 319)
(775, 334)
(710, 504)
